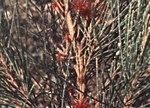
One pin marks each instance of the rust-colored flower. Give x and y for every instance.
(81, 103)
(78, 5)
(67, 37)
(84, 8)
(60, 57)
(55, 5)
(86, 13)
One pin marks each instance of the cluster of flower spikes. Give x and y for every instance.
(84, 7)
(81, 103)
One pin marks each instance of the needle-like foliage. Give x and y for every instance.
(74, 53)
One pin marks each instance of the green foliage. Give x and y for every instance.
(56, 54)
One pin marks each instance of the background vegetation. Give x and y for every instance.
(74, 53)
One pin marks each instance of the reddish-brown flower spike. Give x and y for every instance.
(60, 57)
(86, 13)
(81, 103)
(84, 8)
(78, 5)
(67, 37)
(55, 5)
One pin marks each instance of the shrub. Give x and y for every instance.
(74, 53)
